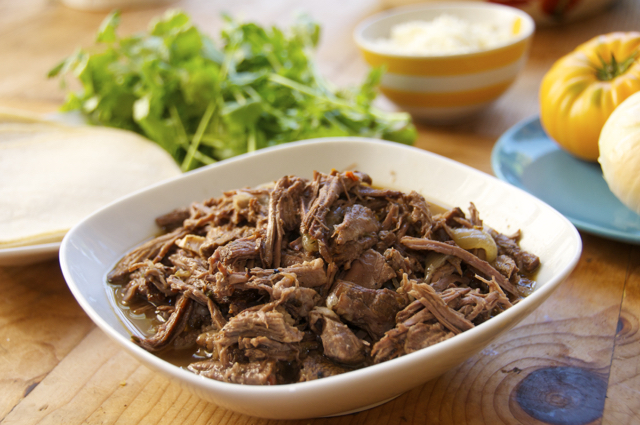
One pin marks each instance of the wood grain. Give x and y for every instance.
(581, 345)
(40, 323)
(623, 402)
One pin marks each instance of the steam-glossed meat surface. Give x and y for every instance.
(305, 279)
(370, 270)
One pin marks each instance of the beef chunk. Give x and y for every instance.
(358, 221)
(218, 236)
(316, 366)
(373, 310)
(238, 250)
(298, 301)
(253, 373)
(251, 323)
(423, 335)
(505, 265)
(391, 345)
(310, 274)
(509, 246)
(370, 270)
(420, 215)
(344, 254)
(339, 342)
(402, 264)
(263, 348)
(331, 187)
(171, 221)
(284, 215)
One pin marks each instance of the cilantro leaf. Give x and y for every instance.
(205, 101)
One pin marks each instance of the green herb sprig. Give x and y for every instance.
(204, 102)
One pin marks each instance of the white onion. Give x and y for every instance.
(309, 243)
(474, 238)
(433, 261)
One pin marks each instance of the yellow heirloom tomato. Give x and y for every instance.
(581, 90)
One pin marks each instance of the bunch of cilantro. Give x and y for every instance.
(204, 102)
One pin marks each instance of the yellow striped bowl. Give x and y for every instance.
(448, 87)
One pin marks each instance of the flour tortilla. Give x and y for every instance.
(52, 175)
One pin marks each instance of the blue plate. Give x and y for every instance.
(527, 158)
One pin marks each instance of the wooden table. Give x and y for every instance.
(581, 345)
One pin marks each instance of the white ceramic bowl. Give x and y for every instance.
(446, 88)
(92, 248)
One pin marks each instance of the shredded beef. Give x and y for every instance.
(251, 373)
(464, 255)
(317, 366)
(172, 220)
(305, 279)
(169, 330)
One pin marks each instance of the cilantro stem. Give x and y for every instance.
(323, 84)
(195, 142)
(279, 79)
(253, 94)
(251, 140)
(183, 139)
(205, 159)
(239, 97)
(273, 60)
(212, 141)
(391, 116)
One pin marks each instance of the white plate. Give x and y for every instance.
(23, 255)
(92, 248)
(527, 158)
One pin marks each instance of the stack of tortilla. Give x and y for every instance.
(53, 175)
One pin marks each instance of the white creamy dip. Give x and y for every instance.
(445, 35)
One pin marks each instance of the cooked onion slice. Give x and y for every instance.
(474, 238)
(309, 243)
(432, 263)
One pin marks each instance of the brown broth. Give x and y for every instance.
(141, 321)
